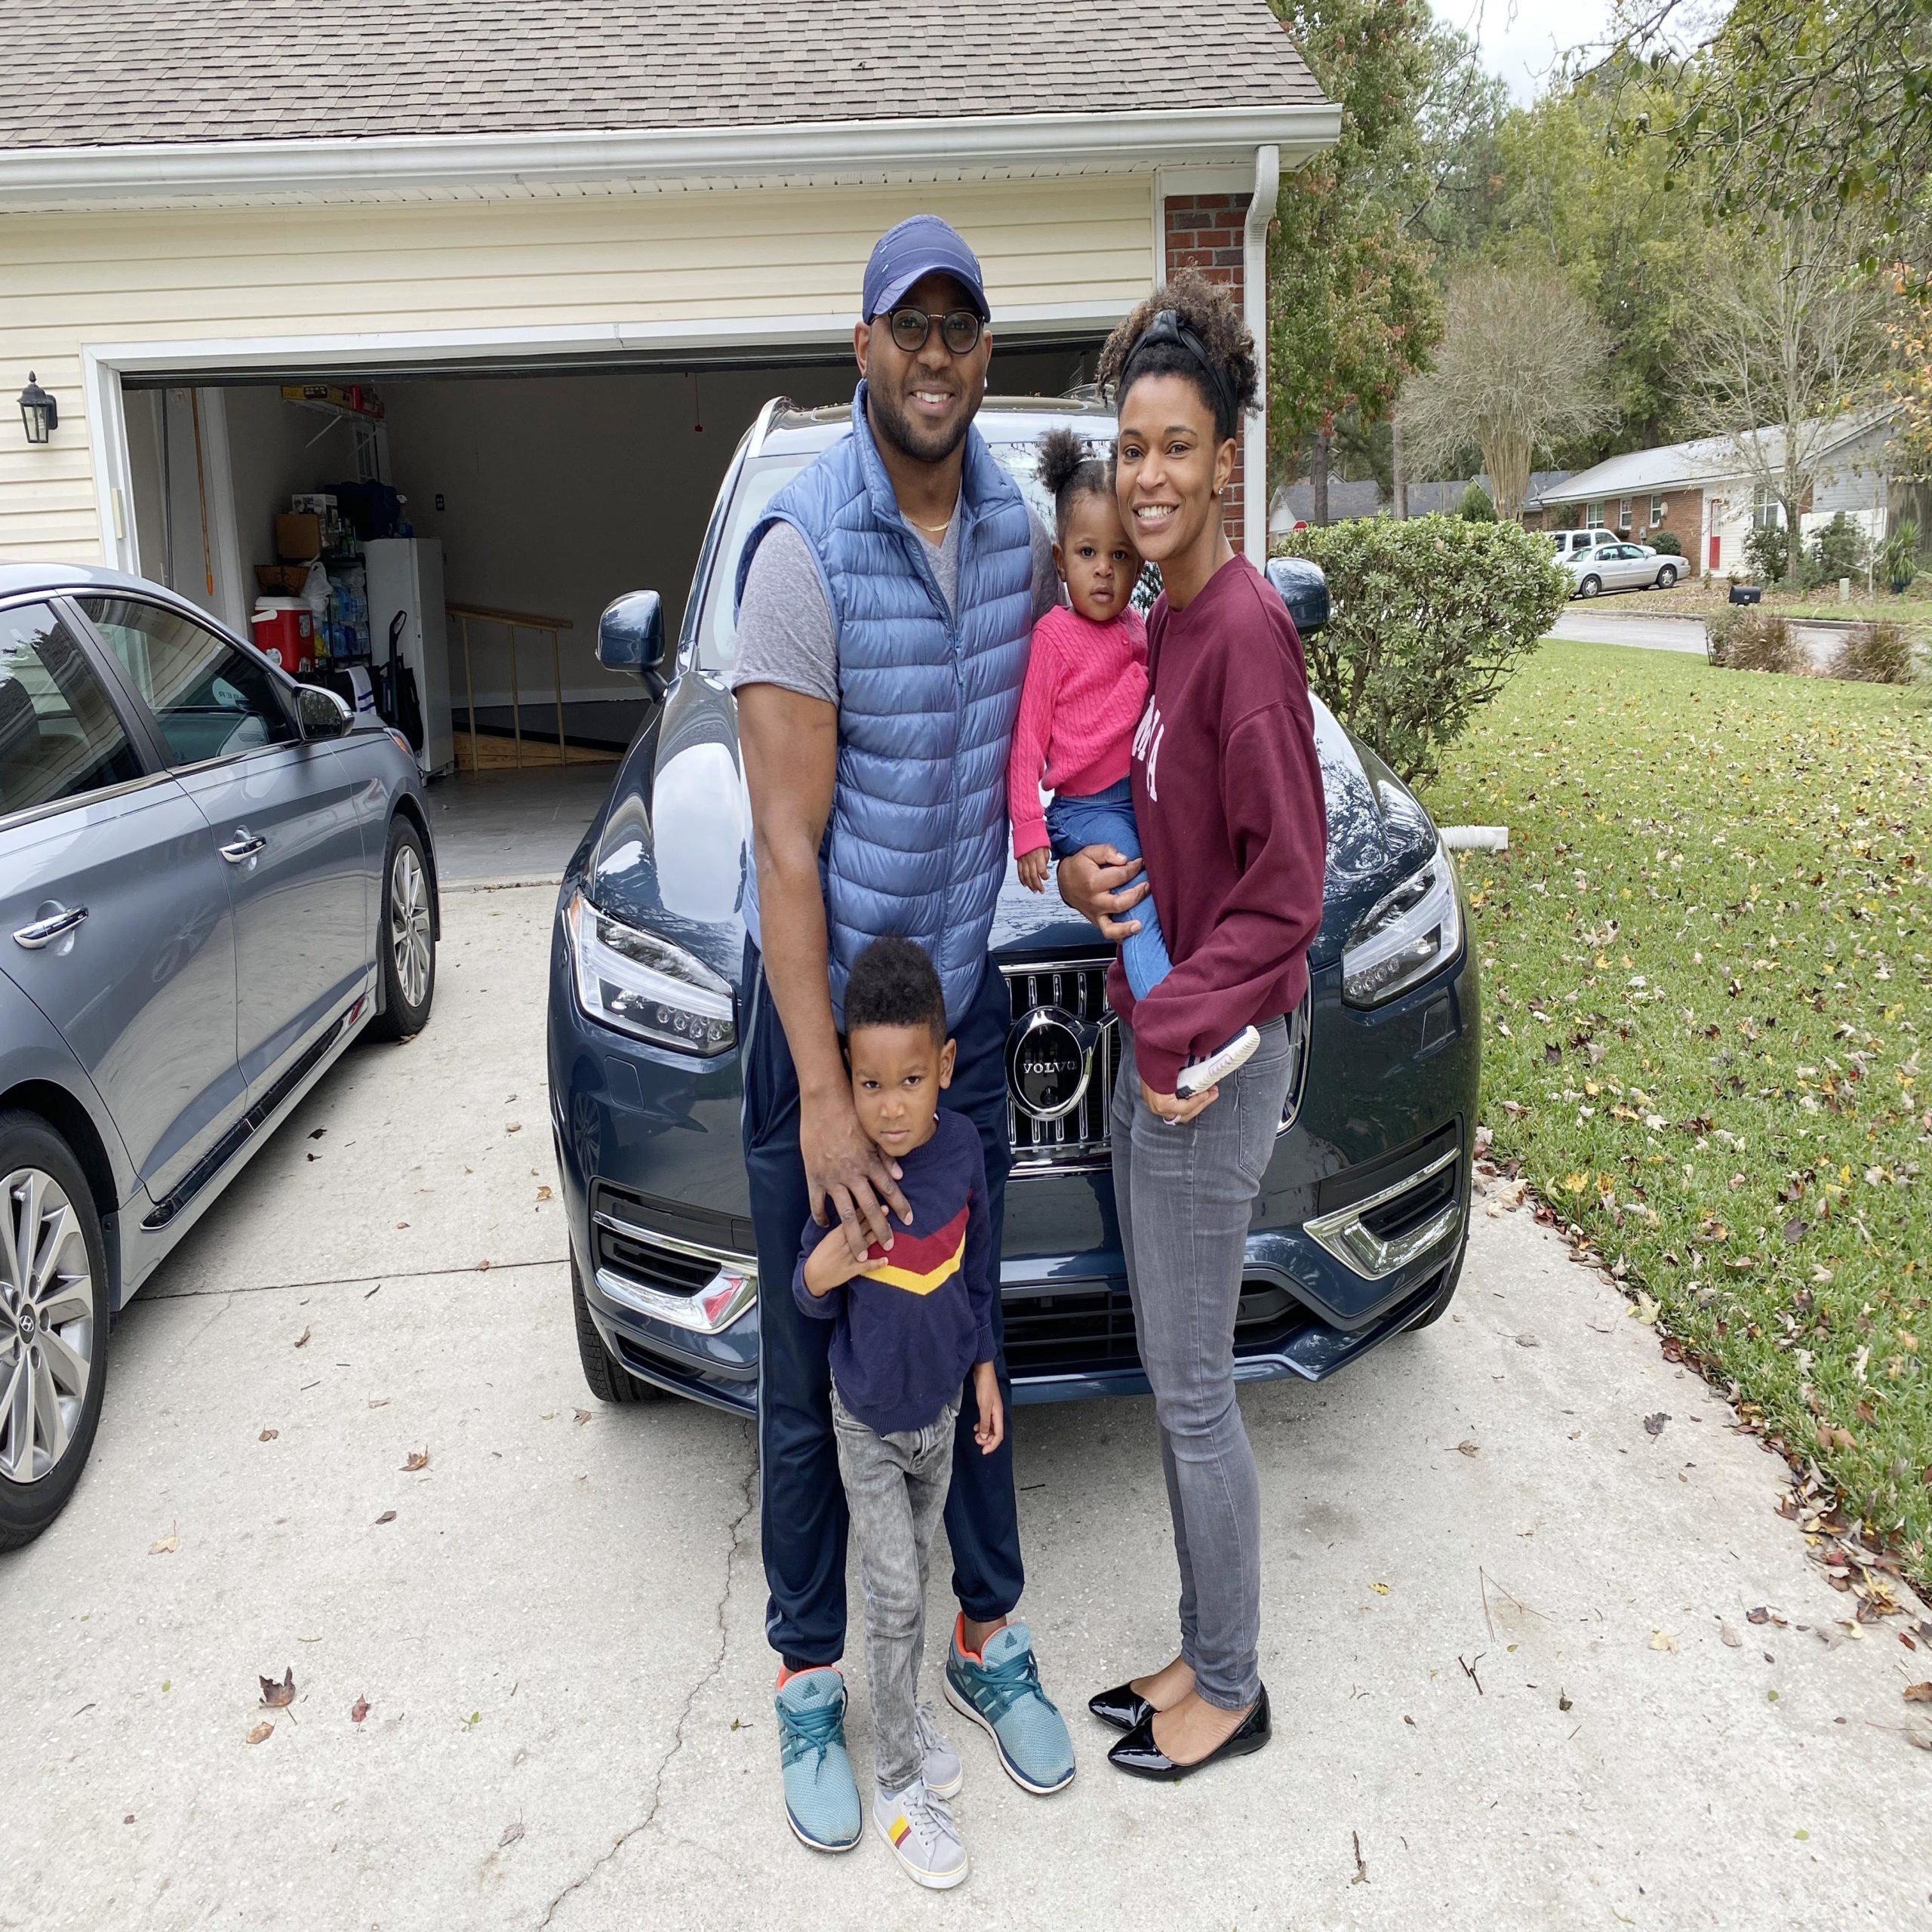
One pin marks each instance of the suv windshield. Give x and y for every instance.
(758, 482)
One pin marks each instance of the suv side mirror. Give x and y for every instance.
(320, 714)
(1304, 589)
(630, 637)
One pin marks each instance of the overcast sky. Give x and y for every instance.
(1522, 40)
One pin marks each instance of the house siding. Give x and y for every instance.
(562, 261)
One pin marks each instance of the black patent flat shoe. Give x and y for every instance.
(1123, 1707)
(1140, 1757)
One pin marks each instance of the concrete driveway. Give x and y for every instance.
(1500, 1612)
(1646, 630)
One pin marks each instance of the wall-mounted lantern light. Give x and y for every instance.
(38, 411)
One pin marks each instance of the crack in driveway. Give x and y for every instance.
(705, 1677)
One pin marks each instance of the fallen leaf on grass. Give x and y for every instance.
(1918, 1693)
(419, 1459)
(167, 1545)
(278, 1697)
(1654, 1425)
(387, 1516)
(260, 1732)
(302, 1340)
(1661, 1640)
(358, 1710)
(1644, 1309)
(511, 1833)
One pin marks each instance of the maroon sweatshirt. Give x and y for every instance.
(1227, 794)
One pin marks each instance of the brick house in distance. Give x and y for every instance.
(1702, 494)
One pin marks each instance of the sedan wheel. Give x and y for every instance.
(1666, 576)
(53, 1325)
(406, 954)
(1589, 586)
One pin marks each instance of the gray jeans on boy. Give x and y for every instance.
(895, 1489)
(1184, 1195)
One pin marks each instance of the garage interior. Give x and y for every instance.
(527, 497)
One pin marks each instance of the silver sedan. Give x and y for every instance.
(1621, 566)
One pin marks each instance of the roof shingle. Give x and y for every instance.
(84, 73)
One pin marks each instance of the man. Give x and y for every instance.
(886, 599)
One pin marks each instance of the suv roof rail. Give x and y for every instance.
(761, 428)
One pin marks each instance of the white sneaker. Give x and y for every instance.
(1200, 1075)
(919, 1830)
(940, 1767)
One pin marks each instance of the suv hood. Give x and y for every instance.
(670, 851)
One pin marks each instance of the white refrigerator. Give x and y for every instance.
(405, 574)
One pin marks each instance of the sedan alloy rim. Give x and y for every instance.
(47, 1324)
(409, 924)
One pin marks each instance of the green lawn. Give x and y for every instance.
(1702, 597)
(1706, 981)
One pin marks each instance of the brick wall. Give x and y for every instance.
(1205, 231)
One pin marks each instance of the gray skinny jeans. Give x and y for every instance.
(895, 1489)
(1184, 1196)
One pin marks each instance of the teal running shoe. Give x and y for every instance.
(821, 1801)
(1000, 1691)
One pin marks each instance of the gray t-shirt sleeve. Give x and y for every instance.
(785, 632)
(1046, 579)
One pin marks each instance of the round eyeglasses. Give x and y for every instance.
(913, 328)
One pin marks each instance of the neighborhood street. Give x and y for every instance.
(1647, 631)
(1541, 1653)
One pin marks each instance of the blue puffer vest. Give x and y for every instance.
(916, 843)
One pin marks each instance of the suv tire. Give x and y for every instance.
(610, 1380)
(406, 944)
(40, 1178)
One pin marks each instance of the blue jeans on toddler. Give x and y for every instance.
(1106, 818)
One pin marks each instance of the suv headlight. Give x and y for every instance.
(1413, 932)
(645, 986)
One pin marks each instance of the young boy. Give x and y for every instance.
(912, 1324)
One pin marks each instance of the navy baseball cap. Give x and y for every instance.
(921, 245)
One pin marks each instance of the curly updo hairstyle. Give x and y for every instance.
(1068, 471)
(1210, 309)
(893, 984)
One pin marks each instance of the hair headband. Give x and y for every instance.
(1167, 327)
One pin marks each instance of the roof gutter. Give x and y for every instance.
(225, 171)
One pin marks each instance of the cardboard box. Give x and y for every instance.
(288, 579)
(298, 537)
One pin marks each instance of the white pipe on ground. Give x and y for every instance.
(1254, 294)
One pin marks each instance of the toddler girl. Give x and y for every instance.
(1086, 687)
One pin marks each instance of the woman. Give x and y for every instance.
(1227, 794)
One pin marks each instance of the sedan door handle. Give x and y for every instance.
(242, 847)
(42, 932)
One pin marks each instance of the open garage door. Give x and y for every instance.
(492, 511)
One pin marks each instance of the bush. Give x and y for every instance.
(1746, 637)
(1665, 544)
(1898, 556)
(1768, 551)
(1880, 654)
(1427, 618)
(1838, 548)
(1476, 506)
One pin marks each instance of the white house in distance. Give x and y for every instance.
(1703, 492)
(569, 255)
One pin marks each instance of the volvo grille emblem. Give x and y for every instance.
(1049, 1061)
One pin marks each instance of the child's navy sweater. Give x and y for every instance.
(908, 1329)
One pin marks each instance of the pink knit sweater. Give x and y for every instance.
(1086, 685)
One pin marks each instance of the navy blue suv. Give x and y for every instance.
(1359, 1229)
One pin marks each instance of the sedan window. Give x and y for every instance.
(211, 699)
(59, 737)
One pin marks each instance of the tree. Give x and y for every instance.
(1519, 370)
(1797, 106)
(1909, 382)
(1791, 343)
(1476, 507)
(1353, 308)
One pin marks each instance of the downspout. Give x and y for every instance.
(1254, 292)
